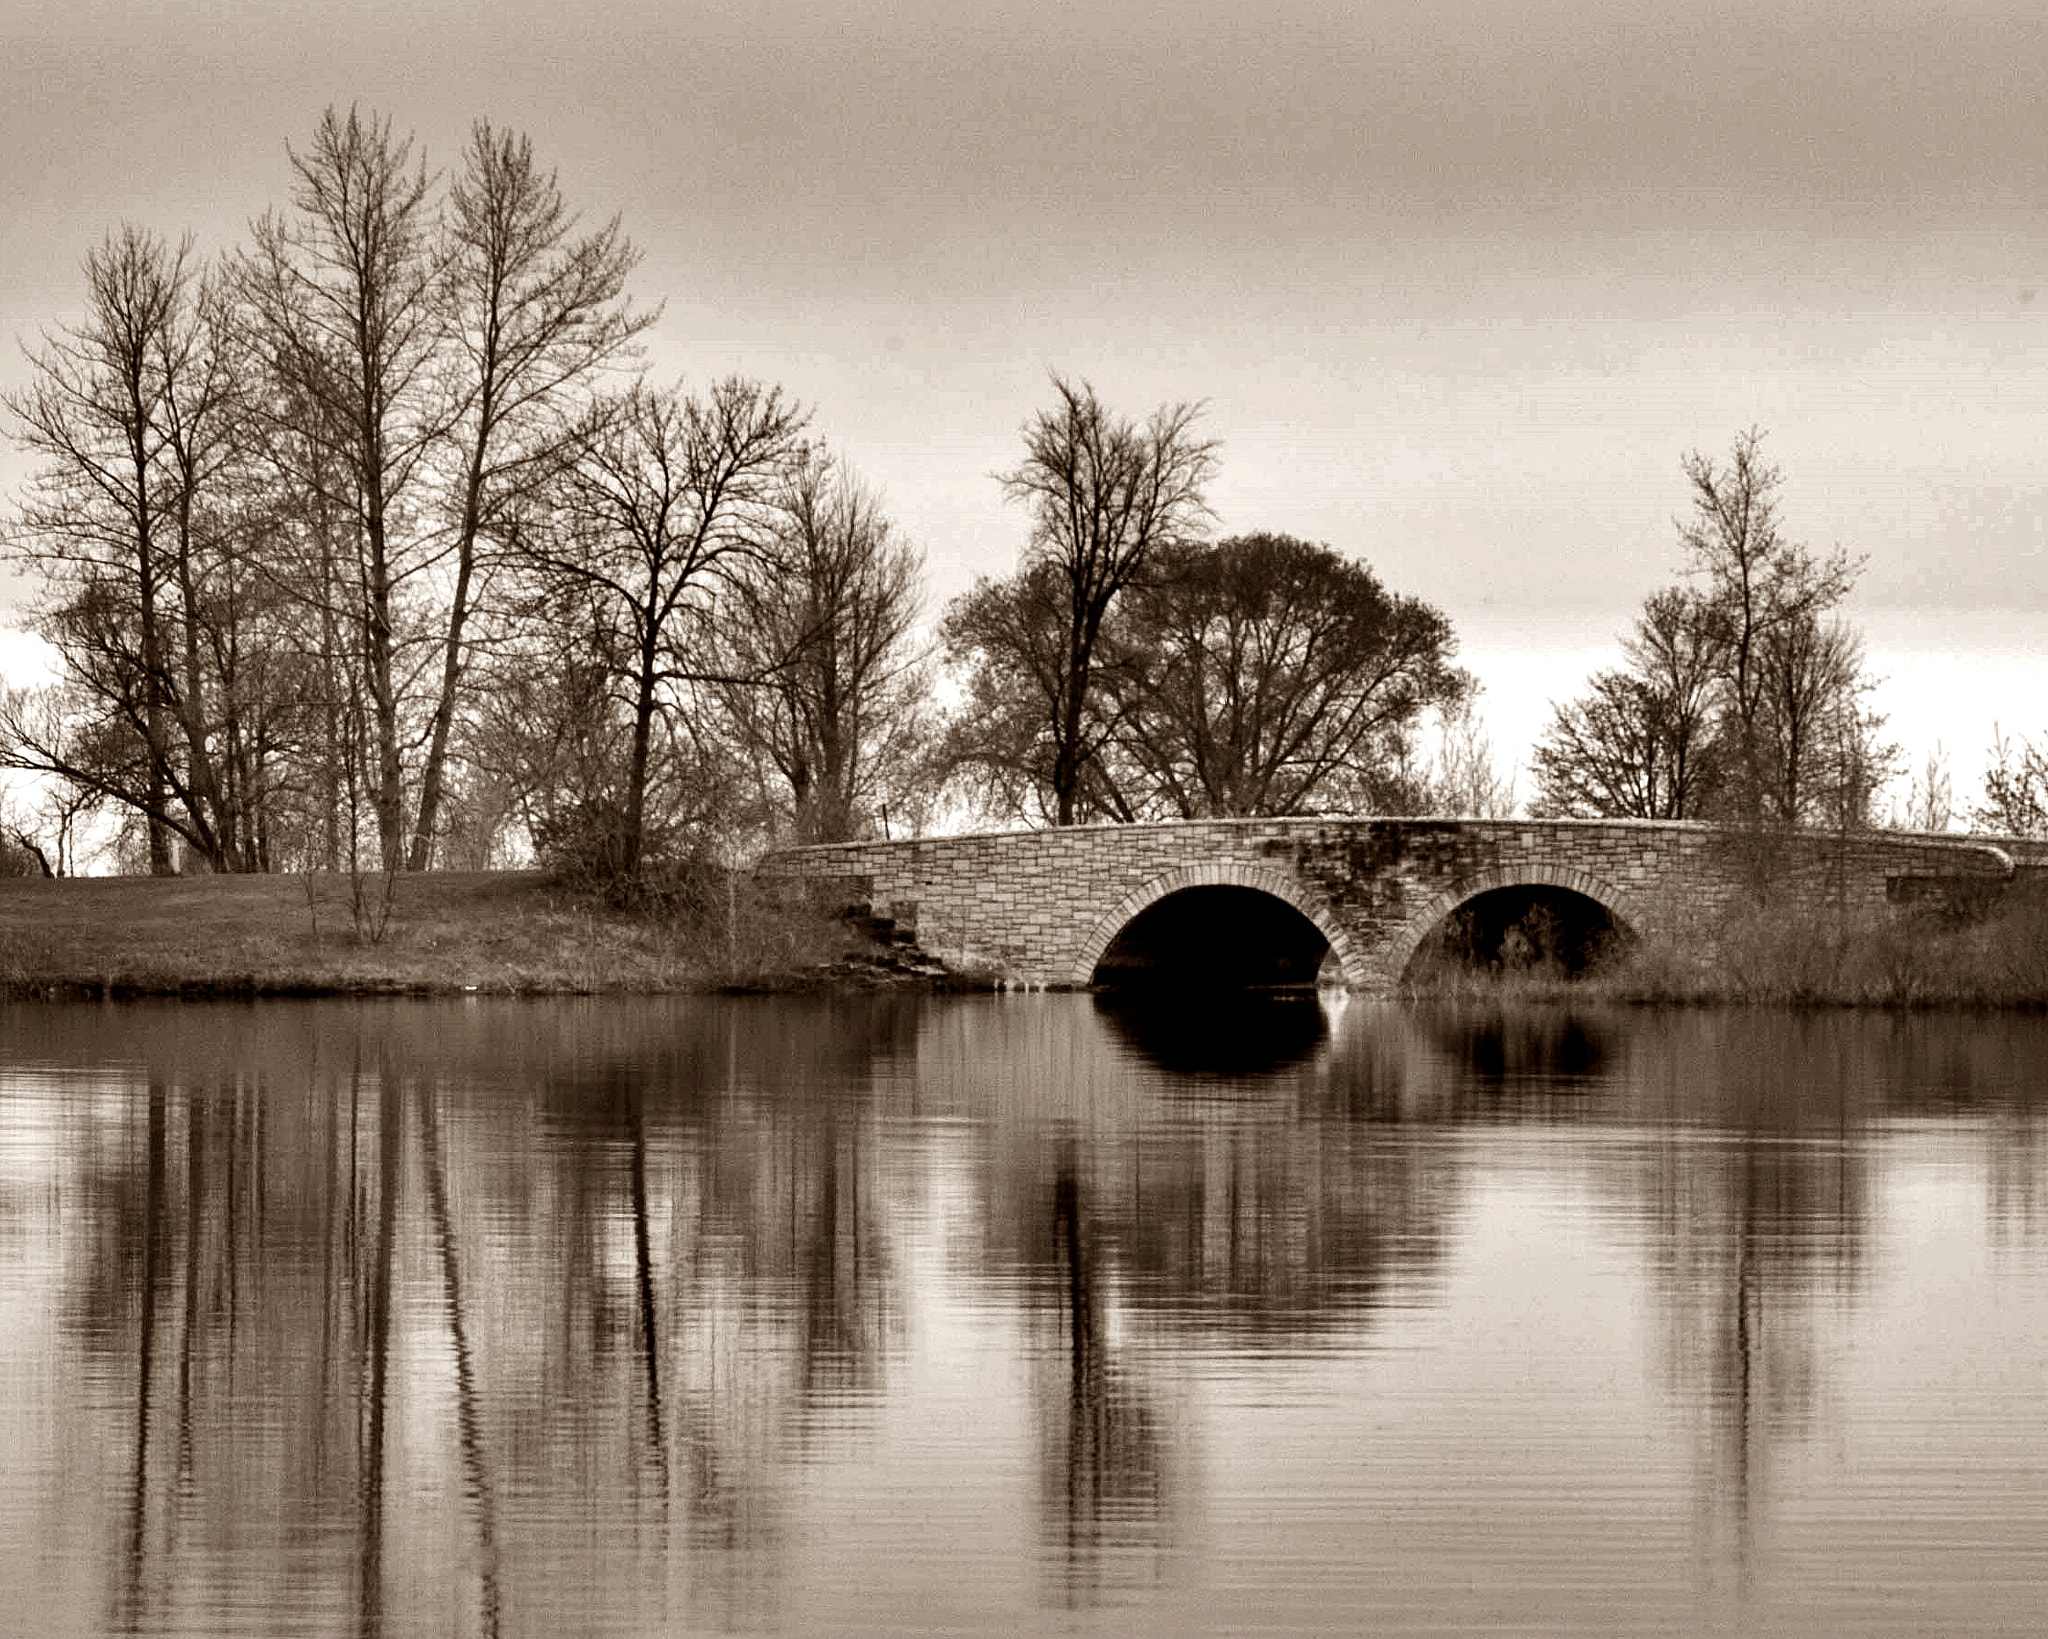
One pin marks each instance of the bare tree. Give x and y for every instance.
(2015, 789)
(1008, 642)
(1744, 697)
(270, 503)
(1104, 494)
(547, 732)
(346, 294)
(1818, 758)
(535, 312)
(1605, 755)
(201, 446)
(1930, 797)
(1641, 743)
(820, 674)
(1458, 774)
(93, 414)
(667, 495)
(136, 525)
(1769, 596)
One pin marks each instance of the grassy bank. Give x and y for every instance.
(1808, 959)
(500, 932)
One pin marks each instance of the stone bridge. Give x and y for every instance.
(1277, 900)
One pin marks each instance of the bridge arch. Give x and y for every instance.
(1620, 905)
(1261, 879)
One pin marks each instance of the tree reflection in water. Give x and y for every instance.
(518, 1318)
(376, 1399)
(476, 1477)
(1758, 1242)
(154, 1234)
(1103, 1475)
(755, 1271)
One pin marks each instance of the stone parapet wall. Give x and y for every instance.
(2027, 852)
(1040, 907)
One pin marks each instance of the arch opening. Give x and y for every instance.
(1531, 928)
(1216, 937)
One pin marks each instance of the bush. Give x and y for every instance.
(583, 844)
(18, 859)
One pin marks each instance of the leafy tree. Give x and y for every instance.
(1268, 675)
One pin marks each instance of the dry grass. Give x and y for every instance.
(493, 932)
(1808, 959)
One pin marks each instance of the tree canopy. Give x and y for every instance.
(1257, 675)
(352, 544)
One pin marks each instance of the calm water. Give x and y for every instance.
(1020, 1315)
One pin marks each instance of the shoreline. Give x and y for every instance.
(488, 933)
(520, 933)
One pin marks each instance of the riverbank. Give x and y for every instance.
(519, 933)
(1804, 958)
(490, 932)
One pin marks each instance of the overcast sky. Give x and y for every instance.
(1459, 282)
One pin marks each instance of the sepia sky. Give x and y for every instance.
(1459, 282)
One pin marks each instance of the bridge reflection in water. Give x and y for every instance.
(1216, 1035)
(823, 1315)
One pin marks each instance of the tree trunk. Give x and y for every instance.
(209, 815)
(1066, 769)
(433, 776)
(329, 776)
(158, 800)
(636, 769)
(388, 794)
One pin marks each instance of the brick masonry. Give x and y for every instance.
(1042, 906)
